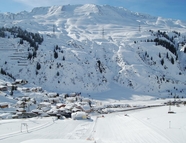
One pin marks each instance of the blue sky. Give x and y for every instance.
(175, 9)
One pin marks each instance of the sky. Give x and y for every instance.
(174, 9)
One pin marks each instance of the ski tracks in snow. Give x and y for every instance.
(116, 128)
(25, 131)
(83, 131)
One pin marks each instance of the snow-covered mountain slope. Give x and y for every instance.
(90, 48)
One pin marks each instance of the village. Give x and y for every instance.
(34, 102)
(25, 102)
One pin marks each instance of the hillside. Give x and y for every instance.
(94, 49)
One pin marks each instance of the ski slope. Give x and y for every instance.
(86, 34)
(151, 125)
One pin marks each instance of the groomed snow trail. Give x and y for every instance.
(141, 126)
(48, 129)
(121, 128)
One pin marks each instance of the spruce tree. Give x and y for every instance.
(172, 60)
(162, 62)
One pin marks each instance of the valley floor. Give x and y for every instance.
(151, 125)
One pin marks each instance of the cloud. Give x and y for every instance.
(38, 3)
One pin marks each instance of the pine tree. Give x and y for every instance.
(57, 73)
(172, 60)
(29, 56)
(38, 66)
(63, 58)
(160, 55)
(167, 55)
(162, 62)
(55, 55)
(184, 50)
(21, 41)
(34, 54)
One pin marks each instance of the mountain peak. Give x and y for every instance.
(89, 47)
(87, 9)
(39, 10)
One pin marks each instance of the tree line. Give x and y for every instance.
(34, 39)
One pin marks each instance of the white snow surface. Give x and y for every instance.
(89, 34)
(151, 125)
(102, 54)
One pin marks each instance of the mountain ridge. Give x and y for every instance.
(87, 8)
(89, 48)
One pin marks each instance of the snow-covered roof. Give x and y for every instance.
(52, 94)
(37, 111)
(3, 103)
(45, 103)
(20, 102)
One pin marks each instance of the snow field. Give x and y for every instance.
(145, 126)
(152, 125)
(88, 34)
(15, 127)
